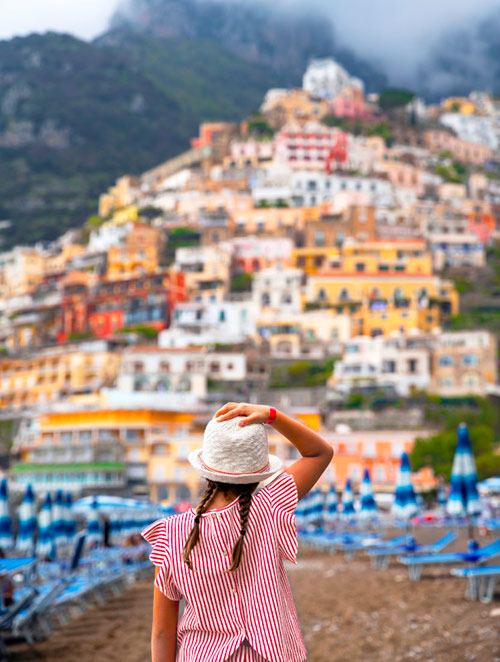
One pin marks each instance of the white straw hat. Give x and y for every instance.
(234, 454)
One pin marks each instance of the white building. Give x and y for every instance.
(277, 288)
(395, 362)
(327, 78)
(228, 322)
(456, 250)
(474, 128)
(310, 188)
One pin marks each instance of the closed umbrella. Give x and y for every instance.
(6, 536)
(315, 509)
(404, 505)
(59, 519)
(368, 510)
(348, 501)
(27, 522)
(70, 518)
(45, 539)
(94, 533)
(463, 500)
(330, 512)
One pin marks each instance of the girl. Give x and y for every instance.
(226, 557)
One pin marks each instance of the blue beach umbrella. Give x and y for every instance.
(45, 539)
(441, 497)
(330, 511)
(27, 522)
(348, 501)
(368, 508)
(404, 505)
(59, 519)
(70, 520)
(6, 536)
(315, 507)
(463, 500)
(94, 533)
(300, 513)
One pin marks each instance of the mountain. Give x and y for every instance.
(279, 38)
(75, 115)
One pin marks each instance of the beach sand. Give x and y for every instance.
(348, 613)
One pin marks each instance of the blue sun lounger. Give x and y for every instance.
(369, 542)
(481, 582)
(477, 557)
(380, 557)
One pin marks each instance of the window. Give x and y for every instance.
(469, 359)
(222, 316)
(344, 294)
(412, 366)
(445, 360)
(360, 266)
(322, 294)
(389, 366)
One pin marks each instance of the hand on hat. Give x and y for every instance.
(253, 413)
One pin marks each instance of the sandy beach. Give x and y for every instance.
(348, 612)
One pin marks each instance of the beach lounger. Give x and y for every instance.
(416, 563)
(33, 622)
(380, 556)
(369, 542)
(481, 582)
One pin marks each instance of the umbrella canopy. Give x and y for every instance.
(368, 508)
(464, 498)
(314, 508)
(27, 522)
(6, 537)
(330, 511)
(94, 533)
(348, 501)
(45, 540)
(404, 505)
(70, 517)
(300, 513)
(59, 519)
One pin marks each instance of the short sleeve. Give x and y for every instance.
(156, 536)
(284, 498)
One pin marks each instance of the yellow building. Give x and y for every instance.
(368, 257)
(56, 373)
(459, 105)
(56, 264)
(118, 196)
(21, 270)
(105, 448)
(139, 254)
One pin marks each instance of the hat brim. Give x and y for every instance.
(275, 464)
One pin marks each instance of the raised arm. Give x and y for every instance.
(316, 452)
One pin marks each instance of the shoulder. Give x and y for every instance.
(280, 492)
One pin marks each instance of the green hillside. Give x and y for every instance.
(75, 115)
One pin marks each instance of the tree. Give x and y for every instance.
(392, 98)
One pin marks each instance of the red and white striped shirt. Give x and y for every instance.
(254, 604)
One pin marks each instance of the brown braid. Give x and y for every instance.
(245, 498)
(245, 501)
(194, 535)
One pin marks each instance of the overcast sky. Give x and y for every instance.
(397, 34)
(85, 19)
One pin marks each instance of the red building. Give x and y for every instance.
(146, 300)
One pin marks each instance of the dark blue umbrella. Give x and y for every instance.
(27, 522)
(404, 505)
(348, 501)
(45, 539)
(368, 510)
(6, 536)
(463, 500)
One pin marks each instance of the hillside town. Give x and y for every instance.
(312, 256)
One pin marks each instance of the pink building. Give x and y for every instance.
(311, 145)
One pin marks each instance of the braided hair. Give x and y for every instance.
(245, 499)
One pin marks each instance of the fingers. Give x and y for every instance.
(248, 420)
(237, 410)
(225, 408)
